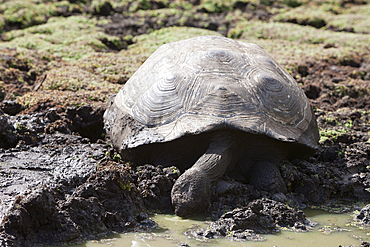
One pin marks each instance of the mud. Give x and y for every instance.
(261, 216)
(61, 181)
(59, 187)
(63, 188)
(60, 184)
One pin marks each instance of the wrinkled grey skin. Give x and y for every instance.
(209, 105)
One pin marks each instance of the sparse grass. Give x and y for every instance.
(160, 13)
(92, 76)
(148, 43)
(304, 15)
(216, 6)
(80, 66)
(69, 38)
(289, 43)
(302, 34)
(356, 18)
(25, 13)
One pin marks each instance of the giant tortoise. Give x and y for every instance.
(208, 105)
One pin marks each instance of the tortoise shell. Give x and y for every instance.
(208, 83)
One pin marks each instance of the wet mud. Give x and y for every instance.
(62, 182)
(261, 216)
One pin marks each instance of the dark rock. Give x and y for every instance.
(312, 91)
(28, 128)
(240, 5)
(8, 138)
(302, 70)
(184, 245)
(53, 193)
(57, 126)
(52, 114)
(155, 184)
(103, 9)
(88, 122)
(11, 107)
(229, 194)
(364, 216)
(260, 216)
(365, 244)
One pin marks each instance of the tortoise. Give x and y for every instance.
(210, 105)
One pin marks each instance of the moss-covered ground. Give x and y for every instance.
(81, 52)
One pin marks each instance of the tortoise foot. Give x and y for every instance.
(191, 193)
(265, 176)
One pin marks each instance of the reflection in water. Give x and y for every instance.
(330, 231)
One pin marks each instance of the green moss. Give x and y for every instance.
(180, 4)
(292, 3)
(125, 185)
(148, 43)
(77, 71)
(2, 23)
(331, 134)
(304, 16)
(81, 68)
(143, 5)
(291, 40)
(216, 6)
(161, 13)
(329, 14)
(24, 14)
(356, 19)
(283, 31)
(69, 38)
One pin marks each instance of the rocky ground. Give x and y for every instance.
(60, 179)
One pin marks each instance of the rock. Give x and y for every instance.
(8, 138)
(155, 184)
(364, 216)
(10, 107)
(261, 216)
(53, 193)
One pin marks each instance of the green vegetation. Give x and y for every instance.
(304, 16)
(69, 38)
(77, 68)
(289, 43)
(331, 134)
(125, 185)
(25, 13)
(148, 43)
(80, 65)
(329, 16)
(302, 34)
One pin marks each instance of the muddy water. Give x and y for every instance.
(332, 230)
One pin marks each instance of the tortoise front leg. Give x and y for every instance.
(191, 192)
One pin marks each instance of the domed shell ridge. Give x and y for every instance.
(210, 82)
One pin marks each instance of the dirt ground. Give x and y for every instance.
(62, 182)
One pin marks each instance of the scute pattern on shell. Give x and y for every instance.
(211, 82)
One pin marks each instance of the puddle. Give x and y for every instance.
(332, 230)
